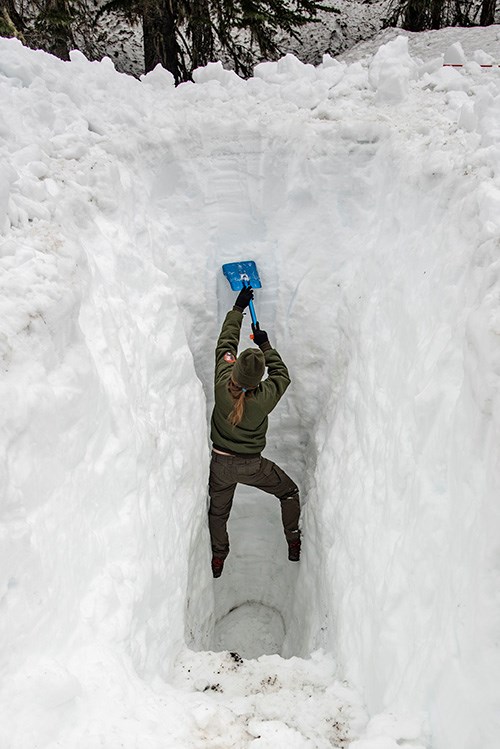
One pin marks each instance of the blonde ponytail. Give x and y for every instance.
(236, 414)
(238, 395)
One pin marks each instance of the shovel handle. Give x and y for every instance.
(251, 307)
(252, 313)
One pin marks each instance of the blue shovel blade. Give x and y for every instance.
(242, 274)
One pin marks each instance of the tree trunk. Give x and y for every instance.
(436, 20)
(202, 42)
(159, 25)
(415, 17)
(487, 12)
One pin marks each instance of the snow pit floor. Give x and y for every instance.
(269, 702)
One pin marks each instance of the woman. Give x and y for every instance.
(238, 431)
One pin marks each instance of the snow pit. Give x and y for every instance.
(373, 217)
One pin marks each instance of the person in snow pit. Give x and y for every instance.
(238, 431)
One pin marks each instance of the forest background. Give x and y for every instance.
(182, 35)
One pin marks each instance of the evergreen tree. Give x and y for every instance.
(54, 25)
(159, 23)
(11, 23)
(488, 8)
(182, 35)
(50, 25)
(419, 15)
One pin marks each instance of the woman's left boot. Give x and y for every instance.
(217, 566)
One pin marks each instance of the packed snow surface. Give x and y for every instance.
(368, 192)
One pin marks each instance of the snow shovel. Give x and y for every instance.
(243, 274)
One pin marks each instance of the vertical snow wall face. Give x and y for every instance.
(372, 218)
(373, 221)
(402, 515)
(103, 441)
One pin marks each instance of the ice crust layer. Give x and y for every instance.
(368, 193)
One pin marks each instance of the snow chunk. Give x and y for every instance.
(487, 112)
(77, 57)
(483, 58)
(159, 78)
(288, 68)
(391, 70)
(329, 62)
(266, 71)
(39, 169)
(455, 55)
(467, 119)
(7, 177)
(446, 79)
(215, 72)
(293, 68)
(271, 733)
(332, 71)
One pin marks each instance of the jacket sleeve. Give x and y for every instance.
(277, 381)
(228, 341)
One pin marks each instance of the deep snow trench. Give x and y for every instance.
(252, 195)
(368, 193)
(252, 198)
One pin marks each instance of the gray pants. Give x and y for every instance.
(228, 470)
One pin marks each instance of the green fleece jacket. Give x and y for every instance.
(248, 437)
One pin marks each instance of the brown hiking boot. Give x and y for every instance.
(294, 550)
(217, 566)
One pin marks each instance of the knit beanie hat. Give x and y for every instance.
(249, 368)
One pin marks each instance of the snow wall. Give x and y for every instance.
(369, 196)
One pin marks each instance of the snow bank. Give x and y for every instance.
(103, 485)
(407, 474)
(368, 193)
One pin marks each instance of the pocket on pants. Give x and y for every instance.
(220, 474)
(266, 467)
(249, 469)
(273, 479)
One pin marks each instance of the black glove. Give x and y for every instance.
(260, 337)
(244, 297)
